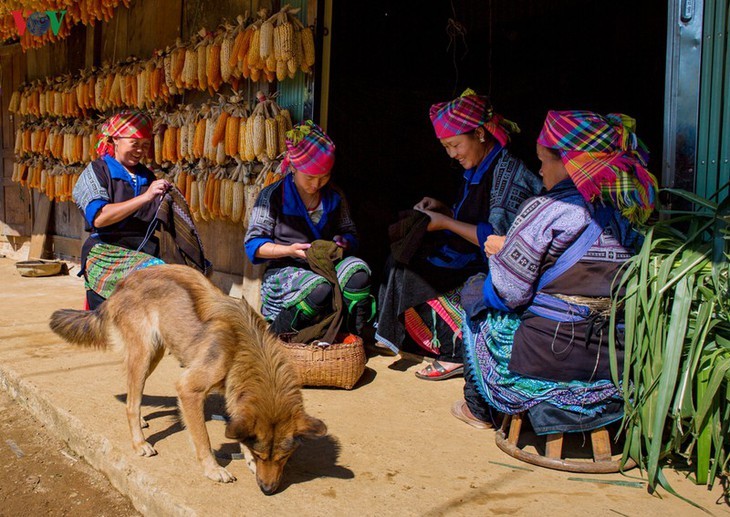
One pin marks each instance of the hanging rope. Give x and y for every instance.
(454, 30)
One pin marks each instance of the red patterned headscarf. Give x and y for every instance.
(127, 124)
(604, 158)
(309, 150)
(468, 112)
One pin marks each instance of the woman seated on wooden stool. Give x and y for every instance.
(291, 213)
(536, 327)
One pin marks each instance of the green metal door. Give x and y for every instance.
(713, 139)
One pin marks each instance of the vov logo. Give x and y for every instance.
(38, 22)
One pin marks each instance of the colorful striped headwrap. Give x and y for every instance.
(309, 150)
(605, 159)
(468, 112)
(127, 124)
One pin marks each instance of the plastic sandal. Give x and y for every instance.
(436, 372)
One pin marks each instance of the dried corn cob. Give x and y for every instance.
(232, 130)
(202, 51)
(307, 47)
(254, 52)
(220, 128)
(225, 58)
(213, 66)
(287, 39)
(190, 69)
(199, 138)
(259, 136)
(272, 141)
(266, 39)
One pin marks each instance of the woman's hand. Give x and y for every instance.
(494, 244)
(438, 221)
(298, 250)
(341, 242)
(434, 205)
(157, 188)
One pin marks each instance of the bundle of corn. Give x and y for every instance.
(286, 45)
(269, 123)
(238, 60)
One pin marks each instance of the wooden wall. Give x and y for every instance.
(138, 31)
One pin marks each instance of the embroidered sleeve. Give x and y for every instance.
(261, 224)
(545, 226)
(513, 184)
(91, 193)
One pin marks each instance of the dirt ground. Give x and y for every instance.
(392, 448)
(40, 475)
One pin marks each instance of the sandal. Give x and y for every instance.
(461, 411)
(436, 372)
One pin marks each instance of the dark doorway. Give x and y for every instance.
(392, 59)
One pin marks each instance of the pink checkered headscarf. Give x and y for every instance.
(127, 124)
(468, 112)
(309, 150)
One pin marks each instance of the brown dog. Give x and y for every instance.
(222, 344)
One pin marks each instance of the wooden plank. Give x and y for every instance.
(601, 444)
(66, 247)
(515, 428)
(554, 446)
(41, 218)
(153, 26)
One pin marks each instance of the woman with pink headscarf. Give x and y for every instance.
(288, 216)
(118, 197)
(419, 303)
(536, 330)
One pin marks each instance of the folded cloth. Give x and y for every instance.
(406, 234)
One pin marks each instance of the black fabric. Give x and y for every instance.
(547, 419)
(406, 235)
(535, 355)
(472, 296)
(94, 299)
(294, 319)
(410, 286)
(474, 401)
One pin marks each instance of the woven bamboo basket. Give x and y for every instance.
(338, 365)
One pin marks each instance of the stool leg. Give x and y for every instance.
(554, 446)
(514, 429)
(601, 444)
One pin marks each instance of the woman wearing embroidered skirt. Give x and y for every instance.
(536, 327)
(288, 216)
(419, 301)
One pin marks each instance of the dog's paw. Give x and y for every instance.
(145, 449)
(220, 475)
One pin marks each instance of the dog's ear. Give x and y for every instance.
(310, 427)
(238, 429)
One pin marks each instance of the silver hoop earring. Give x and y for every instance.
(481, 139)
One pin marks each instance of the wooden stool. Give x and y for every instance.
(508, 436)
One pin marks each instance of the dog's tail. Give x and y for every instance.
(83, 328)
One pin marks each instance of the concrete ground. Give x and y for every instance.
(393, 448)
